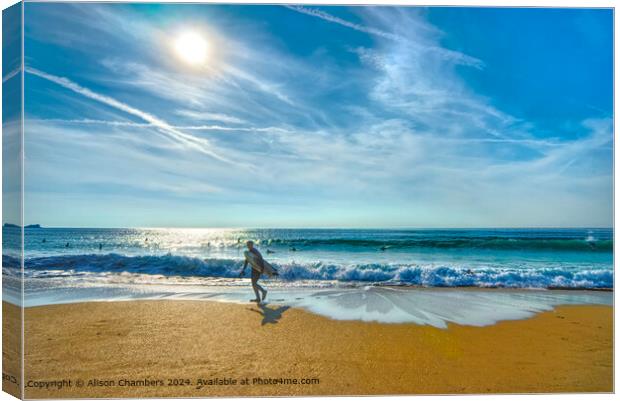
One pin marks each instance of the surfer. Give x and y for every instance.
(255, 273)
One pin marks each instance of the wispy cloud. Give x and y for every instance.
(134, 165)
(199, 144)
(206, 116)
(446, 53)
(233, 91)
(261, 84)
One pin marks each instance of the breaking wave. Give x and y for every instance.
(408, 274)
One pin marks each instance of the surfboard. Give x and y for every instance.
(255, 263)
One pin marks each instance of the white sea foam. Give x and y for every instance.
(183, 268)
(435, 307)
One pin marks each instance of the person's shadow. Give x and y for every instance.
(270, 315)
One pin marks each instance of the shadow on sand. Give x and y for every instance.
(270, 314)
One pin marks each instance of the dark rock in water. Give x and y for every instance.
(9, 225)
(33, 226)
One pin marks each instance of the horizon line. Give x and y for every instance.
(325, 228)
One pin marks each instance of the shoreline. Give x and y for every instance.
(567, 349)
(436, 306)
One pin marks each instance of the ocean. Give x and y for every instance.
(515, 258)
(362, 266)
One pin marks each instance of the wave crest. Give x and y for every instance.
(429, 276)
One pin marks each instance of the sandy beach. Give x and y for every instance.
(11, 345)
(163, 348)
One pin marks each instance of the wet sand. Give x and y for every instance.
(150, 349)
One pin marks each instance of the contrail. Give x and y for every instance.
(200, 144)
(331, 18)
(11, 74)
(176, 127)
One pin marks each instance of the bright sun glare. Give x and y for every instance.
(191, 48)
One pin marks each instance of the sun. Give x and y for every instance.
(192, 48)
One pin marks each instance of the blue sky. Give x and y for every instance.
(11, 114)
(318, 117)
